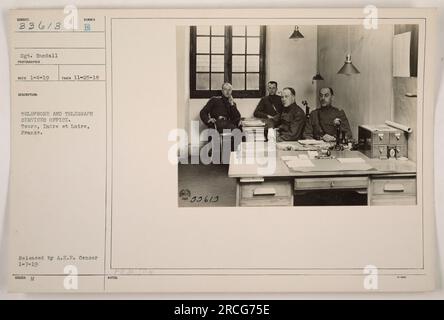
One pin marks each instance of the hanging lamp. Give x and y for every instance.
(317, 76)
(296, 34)
(348, 68)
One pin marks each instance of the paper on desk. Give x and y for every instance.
(299, 163)
(290, 158)
(351, 160)
(295, 157)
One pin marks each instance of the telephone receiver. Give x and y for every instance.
(307, 108)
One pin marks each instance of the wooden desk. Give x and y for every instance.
(390, 182)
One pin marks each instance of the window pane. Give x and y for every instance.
(217, 44)
(238, 30)
(202, 81)
(253, 45)
(202, 63)
(252, 81)
(253, 63)
(217, 79)
(203, 30)
(238, 80)
(238, 63)
(211, 71)
(239, 45)
(253, 30)
(218, 30)
(217, 63)
(203, 45)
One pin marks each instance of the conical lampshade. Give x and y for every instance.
(296, 34)
(317, 77)
(348, 68)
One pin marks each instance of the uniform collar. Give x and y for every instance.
(290, 106)
(327, 107)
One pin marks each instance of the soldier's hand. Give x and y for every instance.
(231, 100)
(328, 138)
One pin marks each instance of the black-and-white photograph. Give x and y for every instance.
(297, 115)
(224, 151)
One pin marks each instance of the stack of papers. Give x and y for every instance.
(253, 123)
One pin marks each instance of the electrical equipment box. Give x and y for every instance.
(382, 141)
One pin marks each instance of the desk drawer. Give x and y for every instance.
(331, 183)
(398, 138)
(267, 193)
(384, 200)
(379, 151)
(380, 137)
(394, 186)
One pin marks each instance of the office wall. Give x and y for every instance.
(405, 110)
(293, 62)
(367, 98)
(289, 62)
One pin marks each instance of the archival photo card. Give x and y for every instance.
(235, 150)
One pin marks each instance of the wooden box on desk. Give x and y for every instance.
(382, 141)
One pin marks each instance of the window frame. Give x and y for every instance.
(196, 94)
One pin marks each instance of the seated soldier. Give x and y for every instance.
(324, 121)
(270, 107)
(292, 117)
(221, 112)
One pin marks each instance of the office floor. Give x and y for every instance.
(206, 186)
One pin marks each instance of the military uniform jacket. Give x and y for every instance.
(292, 123)
(321, 122)
(220, 108)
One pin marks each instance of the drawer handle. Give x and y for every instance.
(264, 192)
(332, 184)
(393, 187)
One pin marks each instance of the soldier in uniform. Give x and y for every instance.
(221, 112)
(292, 117)
(323, 122)
(270, 107)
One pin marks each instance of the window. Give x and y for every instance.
(234, 54)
